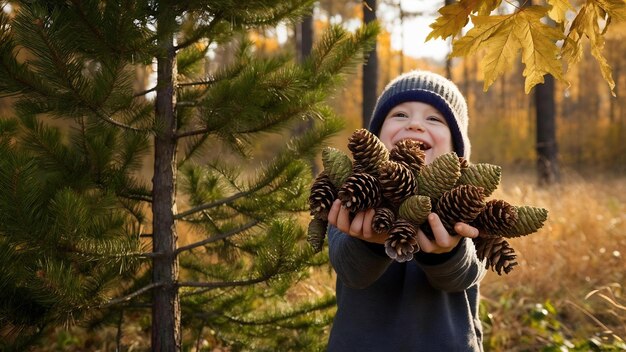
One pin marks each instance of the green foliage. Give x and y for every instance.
(75, 206)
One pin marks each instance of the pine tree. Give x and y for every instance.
(75, 212)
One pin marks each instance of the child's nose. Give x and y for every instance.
(415, 123)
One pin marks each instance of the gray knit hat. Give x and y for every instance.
(430, 88)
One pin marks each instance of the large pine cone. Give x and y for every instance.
(397, 182)
(360, 191)
(497, 217)
(383, 220)
(415, 209)
(402, 241)
(460, 204)
(482, 175)
(530, 219)
(499, 255)
(440, 175)
(368, 152)
(337, 165)
(409, 153)
(323, 194)
(316, 233)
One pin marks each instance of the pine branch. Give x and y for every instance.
(132, 295)
(219, 237)
(201, 32)
(214, 285)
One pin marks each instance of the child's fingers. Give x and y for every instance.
(466, 230)
(368, 233)
(343, 220)
(356, 227)
(333, 213)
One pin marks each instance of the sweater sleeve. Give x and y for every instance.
(461, 271)
(357, 263)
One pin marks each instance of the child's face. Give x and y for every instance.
(417, 121)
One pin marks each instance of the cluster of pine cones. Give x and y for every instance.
(403, 191)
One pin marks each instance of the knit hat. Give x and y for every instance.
(430, 88)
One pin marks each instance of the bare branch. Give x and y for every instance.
(217, 237)
(202, 207)
(193, 133)
(131, 295)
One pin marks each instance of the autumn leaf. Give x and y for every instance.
(502, 51)
(486, 6)
(452, 19)
(484, 28)
(558, 10)
(616, 9)
(538, 42)
(586, 25)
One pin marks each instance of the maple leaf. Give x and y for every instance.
(484, 28)
(614, 8)
(538, 42)
(502, 51)
(586, 25)
(452, 19)
(486, 6)
(558, 10)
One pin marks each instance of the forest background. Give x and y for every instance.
(568, 289)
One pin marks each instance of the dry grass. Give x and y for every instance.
(574, 263)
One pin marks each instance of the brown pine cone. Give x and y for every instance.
(323, 194)
(383, 220)
(368, 152)
(402, 241)
(397, 182)
(460, 204)
(360, 191)
(499, 255)
(497, 217)
(409, 153)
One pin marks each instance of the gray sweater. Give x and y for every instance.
(427, 304)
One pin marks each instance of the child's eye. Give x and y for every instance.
(400, 114)
(435, 118)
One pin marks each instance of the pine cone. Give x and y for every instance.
(323, 194)
(530, 219)
(316, 234)
(368, 152)
(486, 176)
(463, 163)
(409, 153)
(460, 204)
(415, 209)
(402, 241)
(439, 176)
(383, 220)
(397, 182)
(360, 191)
(497, 217)
(337, 165)
(498, 254)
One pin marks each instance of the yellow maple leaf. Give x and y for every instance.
(558, 10)
(486, 6)
(484, 28)
(502, 49)
(614, 8)
(452, 18)
(538, 42)
(586, 25)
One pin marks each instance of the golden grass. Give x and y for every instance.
(575, 262)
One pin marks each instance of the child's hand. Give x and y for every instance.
(443, 242)
(360, 227)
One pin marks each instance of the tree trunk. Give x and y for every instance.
(370, 69)
(547, 164)
(166, 333)
(304, 46)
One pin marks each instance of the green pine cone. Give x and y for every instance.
(482, 175)
(337, 165)
(530, 219)
(316, 234)
(415, 209)
(439, 176)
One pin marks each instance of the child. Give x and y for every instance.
(429, 303)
